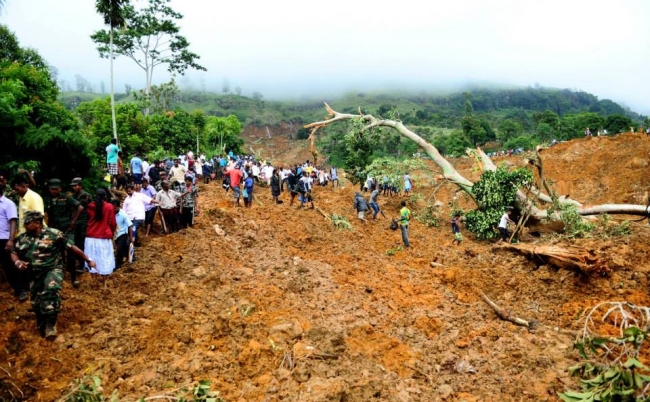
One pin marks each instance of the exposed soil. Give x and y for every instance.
(286, 307)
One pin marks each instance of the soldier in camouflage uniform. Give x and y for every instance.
(39, 250)
(63, 211)
(82, 222)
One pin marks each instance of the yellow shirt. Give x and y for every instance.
(30, 202)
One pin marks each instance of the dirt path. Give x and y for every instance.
(286, 307)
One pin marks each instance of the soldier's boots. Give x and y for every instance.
(40, 324)
(50, 327)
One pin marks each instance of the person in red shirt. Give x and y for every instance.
(236, 177)
(99, 234)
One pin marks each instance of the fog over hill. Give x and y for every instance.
(296, 48)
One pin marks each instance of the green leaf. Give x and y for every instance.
(599, 341)
(567, 398)
(632, 331)
(579, 395)
(596, 380)
(632, 362)
(611, 373)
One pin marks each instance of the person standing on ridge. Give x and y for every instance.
(111, 158)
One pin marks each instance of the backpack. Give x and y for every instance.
(226, 182)
(393, 224)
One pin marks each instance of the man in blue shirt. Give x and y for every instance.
(111, 158)
(123, 234)
(136, 170)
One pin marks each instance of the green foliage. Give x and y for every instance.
(223, 134)
(612, 229)
(340, 222)
(393, 169)
(575, 226)
(573, 126)
(35, 129)
(453, 144)
(151, 37)
(393, 250)
(132, 127)
(494, 192)
(159, 98)
(89, 389)
(429, 216)
(302, 133)
(617, 123)
(175, 131)
(523, 141)
(622, 380)
(476, 130)
(359, 145)
(509, 129)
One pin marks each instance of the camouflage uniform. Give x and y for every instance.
(60, 211)
(82, 222)
(43, 254)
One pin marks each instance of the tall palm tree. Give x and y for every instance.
(111, 10)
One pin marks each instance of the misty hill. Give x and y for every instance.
(437, 109)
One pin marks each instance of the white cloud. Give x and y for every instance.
(292, 47)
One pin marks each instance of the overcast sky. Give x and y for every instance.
(291, 48)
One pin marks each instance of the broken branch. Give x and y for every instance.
(505, 315)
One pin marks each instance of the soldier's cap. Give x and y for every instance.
(33, 216)
(76, 180)
(54, 183)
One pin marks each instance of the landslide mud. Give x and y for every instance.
(284, 307)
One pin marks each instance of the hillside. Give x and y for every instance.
(440, 109)
(286, 307)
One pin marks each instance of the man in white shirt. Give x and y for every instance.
(268, 173)
(503, 226)
(167, 200)
(145, 167)
(134, 207)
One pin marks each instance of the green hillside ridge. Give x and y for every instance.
(444, 108)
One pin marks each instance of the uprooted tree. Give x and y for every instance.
(524, 201)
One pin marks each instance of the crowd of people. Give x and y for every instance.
(76, 232)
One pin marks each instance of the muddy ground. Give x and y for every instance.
(284, 307)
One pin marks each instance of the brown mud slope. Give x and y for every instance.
(285, 307)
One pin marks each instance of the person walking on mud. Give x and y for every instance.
(404, 219)
(361, 205)
(275, 186)
(455, 229)
(39, 249)
(374, 204)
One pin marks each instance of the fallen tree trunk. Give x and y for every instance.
(448, 171)
(573, 258)
(452, 175)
